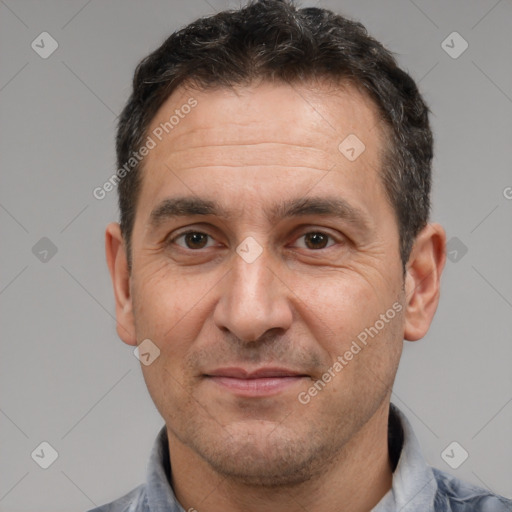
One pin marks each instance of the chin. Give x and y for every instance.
(267, 455)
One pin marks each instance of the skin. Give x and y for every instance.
(299, 305)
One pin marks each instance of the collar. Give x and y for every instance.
(414, 484)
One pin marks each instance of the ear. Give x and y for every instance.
(422, 281)
(118, 266)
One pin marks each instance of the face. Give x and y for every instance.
(266, 269)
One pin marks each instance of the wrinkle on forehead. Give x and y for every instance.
(257, 154)
(277, 113)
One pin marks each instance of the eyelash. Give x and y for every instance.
(316, 232)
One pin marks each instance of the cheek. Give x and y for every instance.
(344, 303)
(345, 317)
(167, 313)
(161, 298)
(171, 310)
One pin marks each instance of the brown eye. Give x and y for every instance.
(195, 240)
(316, 240)
(192, 240)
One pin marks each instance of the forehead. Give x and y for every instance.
(268, 136)
(315, 115)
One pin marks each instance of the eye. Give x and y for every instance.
(196, 240)
(316, 240)
(192, 240)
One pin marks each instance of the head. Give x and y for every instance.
(276, 222)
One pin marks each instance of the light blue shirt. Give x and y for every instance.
(416, 486)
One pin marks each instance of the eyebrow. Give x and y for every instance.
(324, 206)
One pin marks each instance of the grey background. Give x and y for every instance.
(67, 379)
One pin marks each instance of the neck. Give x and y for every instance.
(358, 478)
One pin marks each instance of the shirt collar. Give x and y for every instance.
(413, 486)
(160, 495)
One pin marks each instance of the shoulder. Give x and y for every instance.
(454, 495)
(134, 501)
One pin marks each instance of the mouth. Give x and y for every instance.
(261, 382)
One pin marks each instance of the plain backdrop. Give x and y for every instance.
(68, 380)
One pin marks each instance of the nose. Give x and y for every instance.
(254, 300)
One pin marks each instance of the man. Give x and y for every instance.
(273, 253)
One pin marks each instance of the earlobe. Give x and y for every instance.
(422, 282)
(118, 266)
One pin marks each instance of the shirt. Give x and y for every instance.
(416, 486)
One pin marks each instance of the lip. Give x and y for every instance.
(260, 382)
